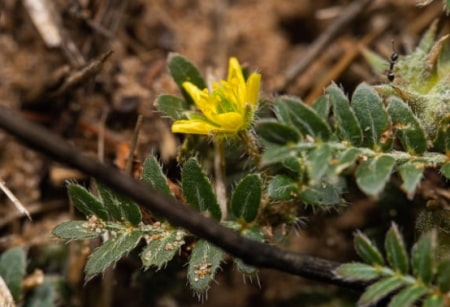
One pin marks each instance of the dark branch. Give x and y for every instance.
(252, 252)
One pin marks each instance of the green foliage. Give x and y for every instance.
(12, 270)
(85, 202)
(111, 251)
(359, 135)
(203, 264)
(247, 197)
(427, 279)
(42, 296)
(162, 247)
(79, 229)
(197, 189)
(153, 175)
(303, 156)
(183, 70)
(119, 207)
(172, 106)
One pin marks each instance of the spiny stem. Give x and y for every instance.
(251, 146)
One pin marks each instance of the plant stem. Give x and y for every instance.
(219, 171)
(251, 146)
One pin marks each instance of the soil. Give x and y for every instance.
(53, 73)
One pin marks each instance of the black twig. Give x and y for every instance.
(252, 252)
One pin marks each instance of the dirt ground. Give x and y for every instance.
(43, 75)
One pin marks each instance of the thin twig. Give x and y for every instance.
(16, 202)
(304, 60)
(252, 252)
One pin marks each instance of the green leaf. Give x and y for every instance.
(172, 106)
(42, 296)
(198, 190)
(347, 125)
(411, 173)
(322, 107)
(345, 159)
(85, 202)
(407, 128)
(442, 141)
(276, 132)
(282, 187)
(423, 257)
(443, 276)
(162, 248)
(373, 174)
(153, 175)
(322, 193)
(294, 112)
(183, 70)
(380, 289)
(396, 251)
(366, 250)
(247, 197)
(434, 301)
(12, 270)
(445, 170)
(276, 154)
(357, 272)
(293, 164)
(372, 117)
(408, 296)
(111, 251)
(317, 162)
(120, 207)
(76, 230)
(203, 264)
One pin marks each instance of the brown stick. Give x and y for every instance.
(304, 60)
(252, 252)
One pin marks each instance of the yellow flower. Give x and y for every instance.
(227, 109)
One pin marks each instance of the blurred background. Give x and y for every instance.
(57, 70)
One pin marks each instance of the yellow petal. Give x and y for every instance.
(253, 84)
(194, 126)
(201, 98)
(230, 122)
(235, 71)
